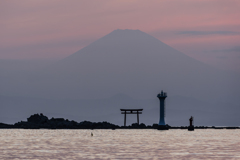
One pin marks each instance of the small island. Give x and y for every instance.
(40, 121)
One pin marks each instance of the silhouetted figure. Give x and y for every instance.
(191, 126)
(91, 134)
(191, 120)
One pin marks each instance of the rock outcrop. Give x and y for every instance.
(37, 121)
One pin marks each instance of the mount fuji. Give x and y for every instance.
(138, 66)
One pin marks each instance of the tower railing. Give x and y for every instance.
(162, 94)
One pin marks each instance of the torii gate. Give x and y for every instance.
(131, 111)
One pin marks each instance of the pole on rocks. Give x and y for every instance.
(125, 118)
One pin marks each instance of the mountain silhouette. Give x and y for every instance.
(137, 64)
(99, 79)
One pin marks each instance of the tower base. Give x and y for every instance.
(162, 127)
(190, 128)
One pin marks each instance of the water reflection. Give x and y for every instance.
(119, 144)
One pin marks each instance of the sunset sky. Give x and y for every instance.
(207, 30)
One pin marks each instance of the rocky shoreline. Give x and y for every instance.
(39, 121)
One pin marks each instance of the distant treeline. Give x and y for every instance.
(38, 121)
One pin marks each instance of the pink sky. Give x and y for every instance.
(208, 30)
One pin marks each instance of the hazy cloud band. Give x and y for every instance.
(233, 49)
(208, 32)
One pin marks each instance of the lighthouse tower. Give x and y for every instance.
(162, 97)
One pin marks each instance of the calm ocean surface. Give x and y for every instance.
(119, 144)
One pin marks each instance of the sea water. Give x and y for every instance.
(119, 144)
